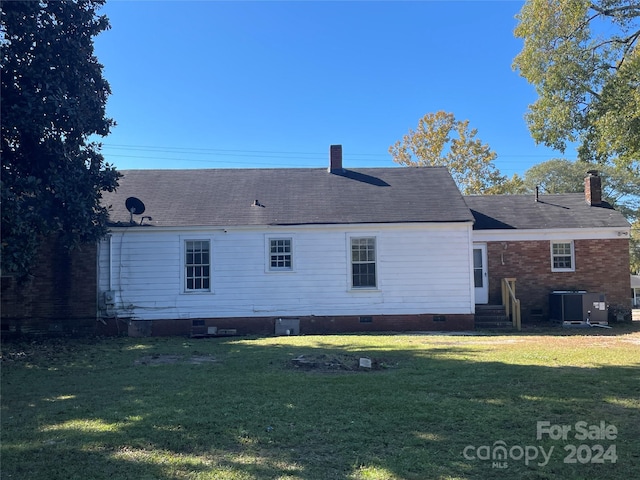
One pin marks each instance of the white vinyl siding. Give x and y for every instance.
(419, 269)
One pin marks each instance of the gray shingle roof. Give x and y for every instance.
(289, 196)
(569, 210)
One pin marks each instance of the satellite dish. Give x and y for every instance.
(135, 206)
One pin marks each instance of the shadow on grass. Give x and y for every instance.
(87, 410)
(556, 329)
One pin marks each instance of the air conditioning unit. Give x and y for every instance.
(575, 307)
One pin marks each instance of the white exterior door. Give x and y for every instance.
(480, 277)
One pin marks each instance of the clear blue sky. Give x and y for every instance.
(211, 84)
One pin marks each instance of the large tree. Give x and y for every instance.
(583, 57)
(53, 106)
(441, 140)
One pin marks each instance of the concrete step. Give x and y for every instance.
(488, 309)
(492, 316)
(478, 324)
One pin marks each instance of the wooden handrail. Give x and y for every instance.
(510, 302)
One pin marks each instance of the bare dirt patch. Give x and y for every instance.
(167, 359)
(338, 363)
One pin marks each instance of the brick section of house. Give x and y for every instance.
(60, 296)
(601, 266)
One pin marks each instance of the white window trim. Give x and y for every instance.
(375, 288)
(573, 256)
(183, 266)
(267, 253)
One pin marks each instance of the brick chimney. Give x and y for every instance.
(593, 188)
(335, 159)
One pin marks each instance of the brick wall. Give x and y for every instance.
(601, 266)
(308, 325)
(60, 296)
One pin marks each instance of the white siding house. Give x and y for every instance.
(417, 269)
(335, 250)
(313, 250)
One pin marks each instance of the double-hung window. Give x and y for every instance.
(562, 256)
(197, 266)
(280, 254)
(363, 262)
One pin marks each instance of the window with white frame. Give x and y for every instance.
(562, 256)
(197, 266)
(363, 262)
(280, 254)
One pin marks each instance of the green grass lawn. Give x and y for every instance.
(432, 407)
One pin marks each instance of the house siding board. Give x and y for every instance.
(420, 270)
(601, 266)
(104, 254)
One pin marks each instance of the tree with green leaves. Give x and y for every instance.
(441, 140)
(53, 105)
(619, 187)
(583, 57)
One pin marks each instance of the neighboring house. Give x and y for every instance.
(563, 242)
(302, 250)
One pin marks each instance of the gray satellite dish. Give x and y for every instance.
(134, 206)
